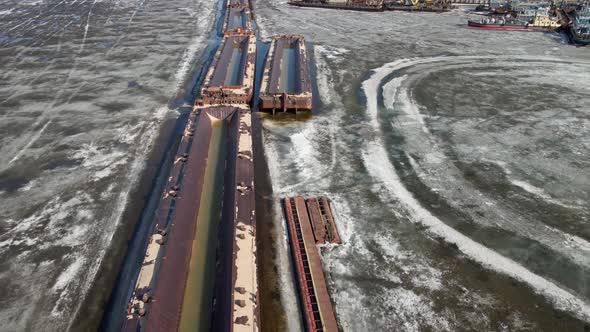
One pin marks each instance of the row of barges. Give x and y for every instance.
(200, 266)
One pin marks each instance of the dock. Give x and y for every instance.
(286, 81)
(200, 268)
(310, 222)
(199, 272)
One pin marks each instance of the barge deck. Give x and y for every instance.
(200, 268)
(310, 221)
(286, 82)
(238, 3)
(237, 21)
(230, 79)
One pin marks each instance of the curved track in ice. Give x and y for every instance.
(377, 162)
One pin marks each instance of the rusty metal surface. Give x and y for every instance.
(216, 89)
(277, 65)
(272, 96)
(164, 311)
(306, 294)
(319, 227)
(245, 216)
(221, 318)
(224, 61)
(326, 211)
(317, 306)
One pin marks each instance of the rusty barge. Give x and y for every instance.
(230, 79)
(237, 21)
(238, 3)
(378, 5)
(200, 269)
(286, 83)
(360, 5)
(310, 222)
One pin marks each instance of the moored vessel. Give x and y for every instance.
(361, 5)
(230, 79)
(511, 24)
(574, 22)
(286, 81)
(418, 5)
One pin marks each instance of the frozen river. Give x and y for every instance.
(458, 160)
(85, 87)
(458, 163)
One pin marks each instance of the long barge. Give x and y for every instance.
(310, 222)
(230, 79)
(370, 5)
(200, 267)
(286, 82)
(377, 5)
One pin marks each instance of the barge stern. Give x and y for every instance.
(310, 222)
(230, 79)
(286, 81)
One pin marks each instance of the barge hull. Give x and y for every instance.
(237, 3)
(337, 6)
(245, 314)
(164, 314)
(230, 79)
(237, 21)
(473, 24)
(286, 81)
(189, 282)
(313, 290)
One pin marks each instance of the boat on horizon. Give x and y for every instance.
(509, 24)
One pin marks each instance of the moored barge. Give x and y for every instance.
(199, 272)
(286, 82)
(310, 222)
(361, 5)
(508, 24)
(237, 21)
(230, 79)
(418, 5)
